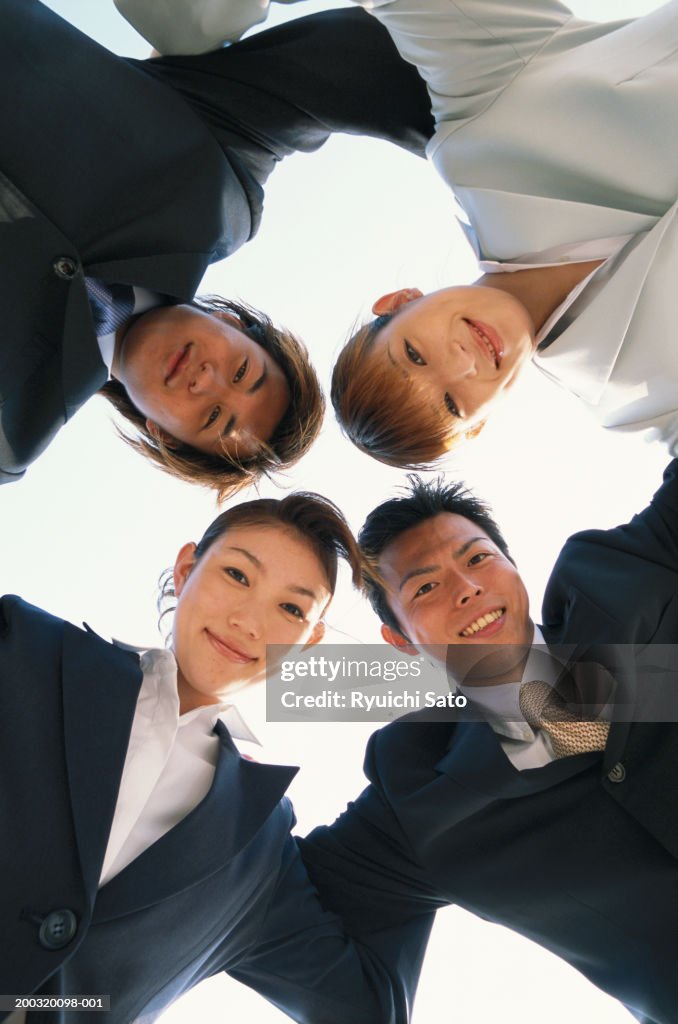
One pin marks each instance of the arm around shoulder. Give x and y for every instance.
(304, 963)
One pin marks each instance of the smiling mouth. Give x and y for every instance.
(177, 362)
(489, 340)
(480, 626)
(229, 650)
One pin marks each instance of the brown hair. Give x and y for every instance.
(383, 412)
(291, 439)
(316, 519)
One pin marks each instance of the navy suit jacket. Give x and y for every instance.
(581, 855)
(224, 890)
(145, 172)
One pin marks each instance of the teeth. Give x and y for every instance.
(483, 621)
(486, 341)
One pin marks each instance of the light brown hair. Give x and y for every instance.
(383, 412)
(291, 439)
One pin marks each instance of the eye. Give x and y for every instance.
(451, 407)
(413, 355)
(425, 588)
(213, 416)
(292, 609)
(478, 558)
(242, 370)
(237, 574)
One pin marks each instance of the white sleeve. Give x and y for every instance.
(192, 26)
(467, 51)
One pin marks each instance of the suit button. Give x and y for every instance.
(57, 929)
(618, 773)
(65, 267)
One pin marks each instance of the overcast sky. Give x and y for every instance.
(88, 531)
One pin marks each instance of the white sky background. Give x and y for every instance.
(87, 532)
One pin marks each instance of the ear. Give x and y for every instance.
(394, 300)
(159, 434)
(317, 634)
(397, 640)
(182, 567)
(229, 318)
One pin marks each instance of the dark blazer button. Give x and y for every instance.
(618, 773)
(57, 929)
(65, 267)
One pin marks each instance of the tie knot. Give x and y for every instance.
(540, 703)
(543, 708)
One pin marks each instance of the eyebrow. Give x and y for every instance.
(425, 569)
(229, 428)
(293, 587)
(258, 383)
(247, 554)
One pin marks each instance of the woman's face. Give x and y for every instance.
(199, 379)
(255, 585)
(462, 347)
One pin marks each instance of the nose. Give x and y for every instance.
(247, 620)
(465, 590)
(461, 362)
(202, 379)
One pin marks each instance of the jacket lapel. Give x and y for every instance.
(174, 274)
(100, 688)
(603, 312)
(476, 761)
(242, 796)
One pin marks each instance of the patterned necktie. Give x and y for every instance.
(111, 305)
(543, 708)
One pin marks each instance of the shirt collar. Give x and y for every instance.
(159, 696)
(500, 705)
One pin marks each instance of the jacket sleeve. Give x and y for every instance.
(305, 964)
(628, 573)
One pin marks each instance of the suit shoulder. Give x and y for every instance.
(15, 613)
(405, 746)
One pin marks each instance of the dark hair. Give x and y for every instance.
(314, 518)
(383, 412)
(424, 500)
(291, 439)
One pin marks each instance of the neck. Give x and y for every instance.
(540, 289)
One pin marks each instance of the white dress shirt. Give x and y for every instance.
(524, 746)
(170, 762)
(581, 252)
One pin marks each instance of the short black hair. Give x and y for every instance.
(422, 500)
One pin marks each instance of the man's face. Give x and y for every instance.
(463, 347)
(199, 379)
(454, 594)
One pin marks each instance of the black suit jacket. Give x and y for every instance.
(144, 172)
(581, 855)
(224, 889)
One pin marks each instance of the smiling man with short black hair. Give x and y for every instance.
(559, 824)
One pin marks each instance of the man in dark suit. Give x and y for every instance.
(565, 831)
(122, 180)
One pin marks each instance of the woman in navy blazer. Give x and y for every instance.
(143, 903)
